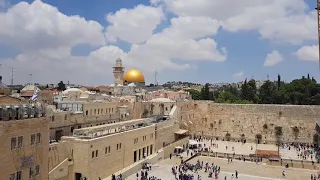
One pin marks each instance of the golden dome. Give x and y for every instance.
(133, 75)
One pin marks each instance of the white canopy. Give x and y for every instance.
(193, 142)
(179, 147)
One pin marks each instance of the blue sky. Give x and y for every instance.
(245, 46)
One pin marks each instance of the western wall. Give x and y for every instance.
(212, 119)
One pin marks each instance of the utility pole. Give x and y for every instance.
(12, 74)
(30, 78)
(155, 77)
(318, 12)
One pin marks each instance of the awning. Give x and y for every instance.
(179, 147)
(181, 131)
(193, 142)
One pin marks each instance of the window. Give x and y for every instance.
(119, 146)
(38, 138)
(33, 139)
(65, 117)
(95, 112)
(151, 136)
(144, 138)
(12, 176)
(19, 175)
(37, 170)
(107, 150)
(13, 143)
(96, 153)
(92, 154)
(135, 156)
(71, 129)
(30, 173)
(98, 111)
(52, 118)
(135, 141)
(20, 140)
(151, 147)
(86, 112)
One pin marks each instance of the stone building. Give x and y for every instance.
(25, 144)
(100, 151)
(91, 114)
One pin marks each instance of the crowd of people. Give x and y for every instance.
(144, 175)
(304, 151)
(186, 171)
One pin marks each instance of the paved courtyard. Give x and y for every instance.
(247, 170)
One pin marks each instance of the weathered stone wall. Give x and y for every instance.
(212, 119)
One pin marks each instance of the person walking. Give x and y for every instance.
(236, 174)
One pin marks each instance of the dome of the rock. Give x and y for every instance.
(133, 76)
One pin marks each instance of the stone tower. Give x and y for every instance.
(118, 72)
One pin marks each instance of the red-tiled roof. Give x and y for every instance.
(27, 94)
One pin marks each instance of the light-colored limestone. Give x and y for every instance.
(12, 161)
(211, 119)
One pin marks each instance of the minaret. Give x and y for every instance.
(118, 72)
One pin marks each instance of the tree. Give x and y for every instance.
(205, 92)
(47, 86)
(279, 81)
(196, 95)
(266, 93)
(244, 90)
(61, 86)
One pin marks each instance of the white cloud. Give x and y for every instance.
(178, 42)
(155, 2)
(308, 53)
(133, 25)
(273, 59)
(239, 74)
(276, 20)
(53, 65)
(30, 27)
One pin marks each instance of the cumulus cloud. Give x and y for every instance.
(133, 25)
(273, 59)
(308, 53)
(276, 20)
(179, 42)
(238, 74)
(30, 27)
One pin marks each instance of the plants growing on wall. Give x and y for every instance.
(265, 126)
(228, 136)
(258, 138)
(295, 131)
(278, 133)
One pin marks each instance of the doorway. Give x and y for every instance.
(78, 176)
(59, 134)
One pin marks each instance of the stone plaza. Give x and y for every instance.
(246, 170)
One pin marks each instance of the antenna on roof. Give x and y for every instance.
(155, 77)
(30, 78)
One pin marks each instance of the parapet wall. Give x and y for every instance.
(212, 119)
